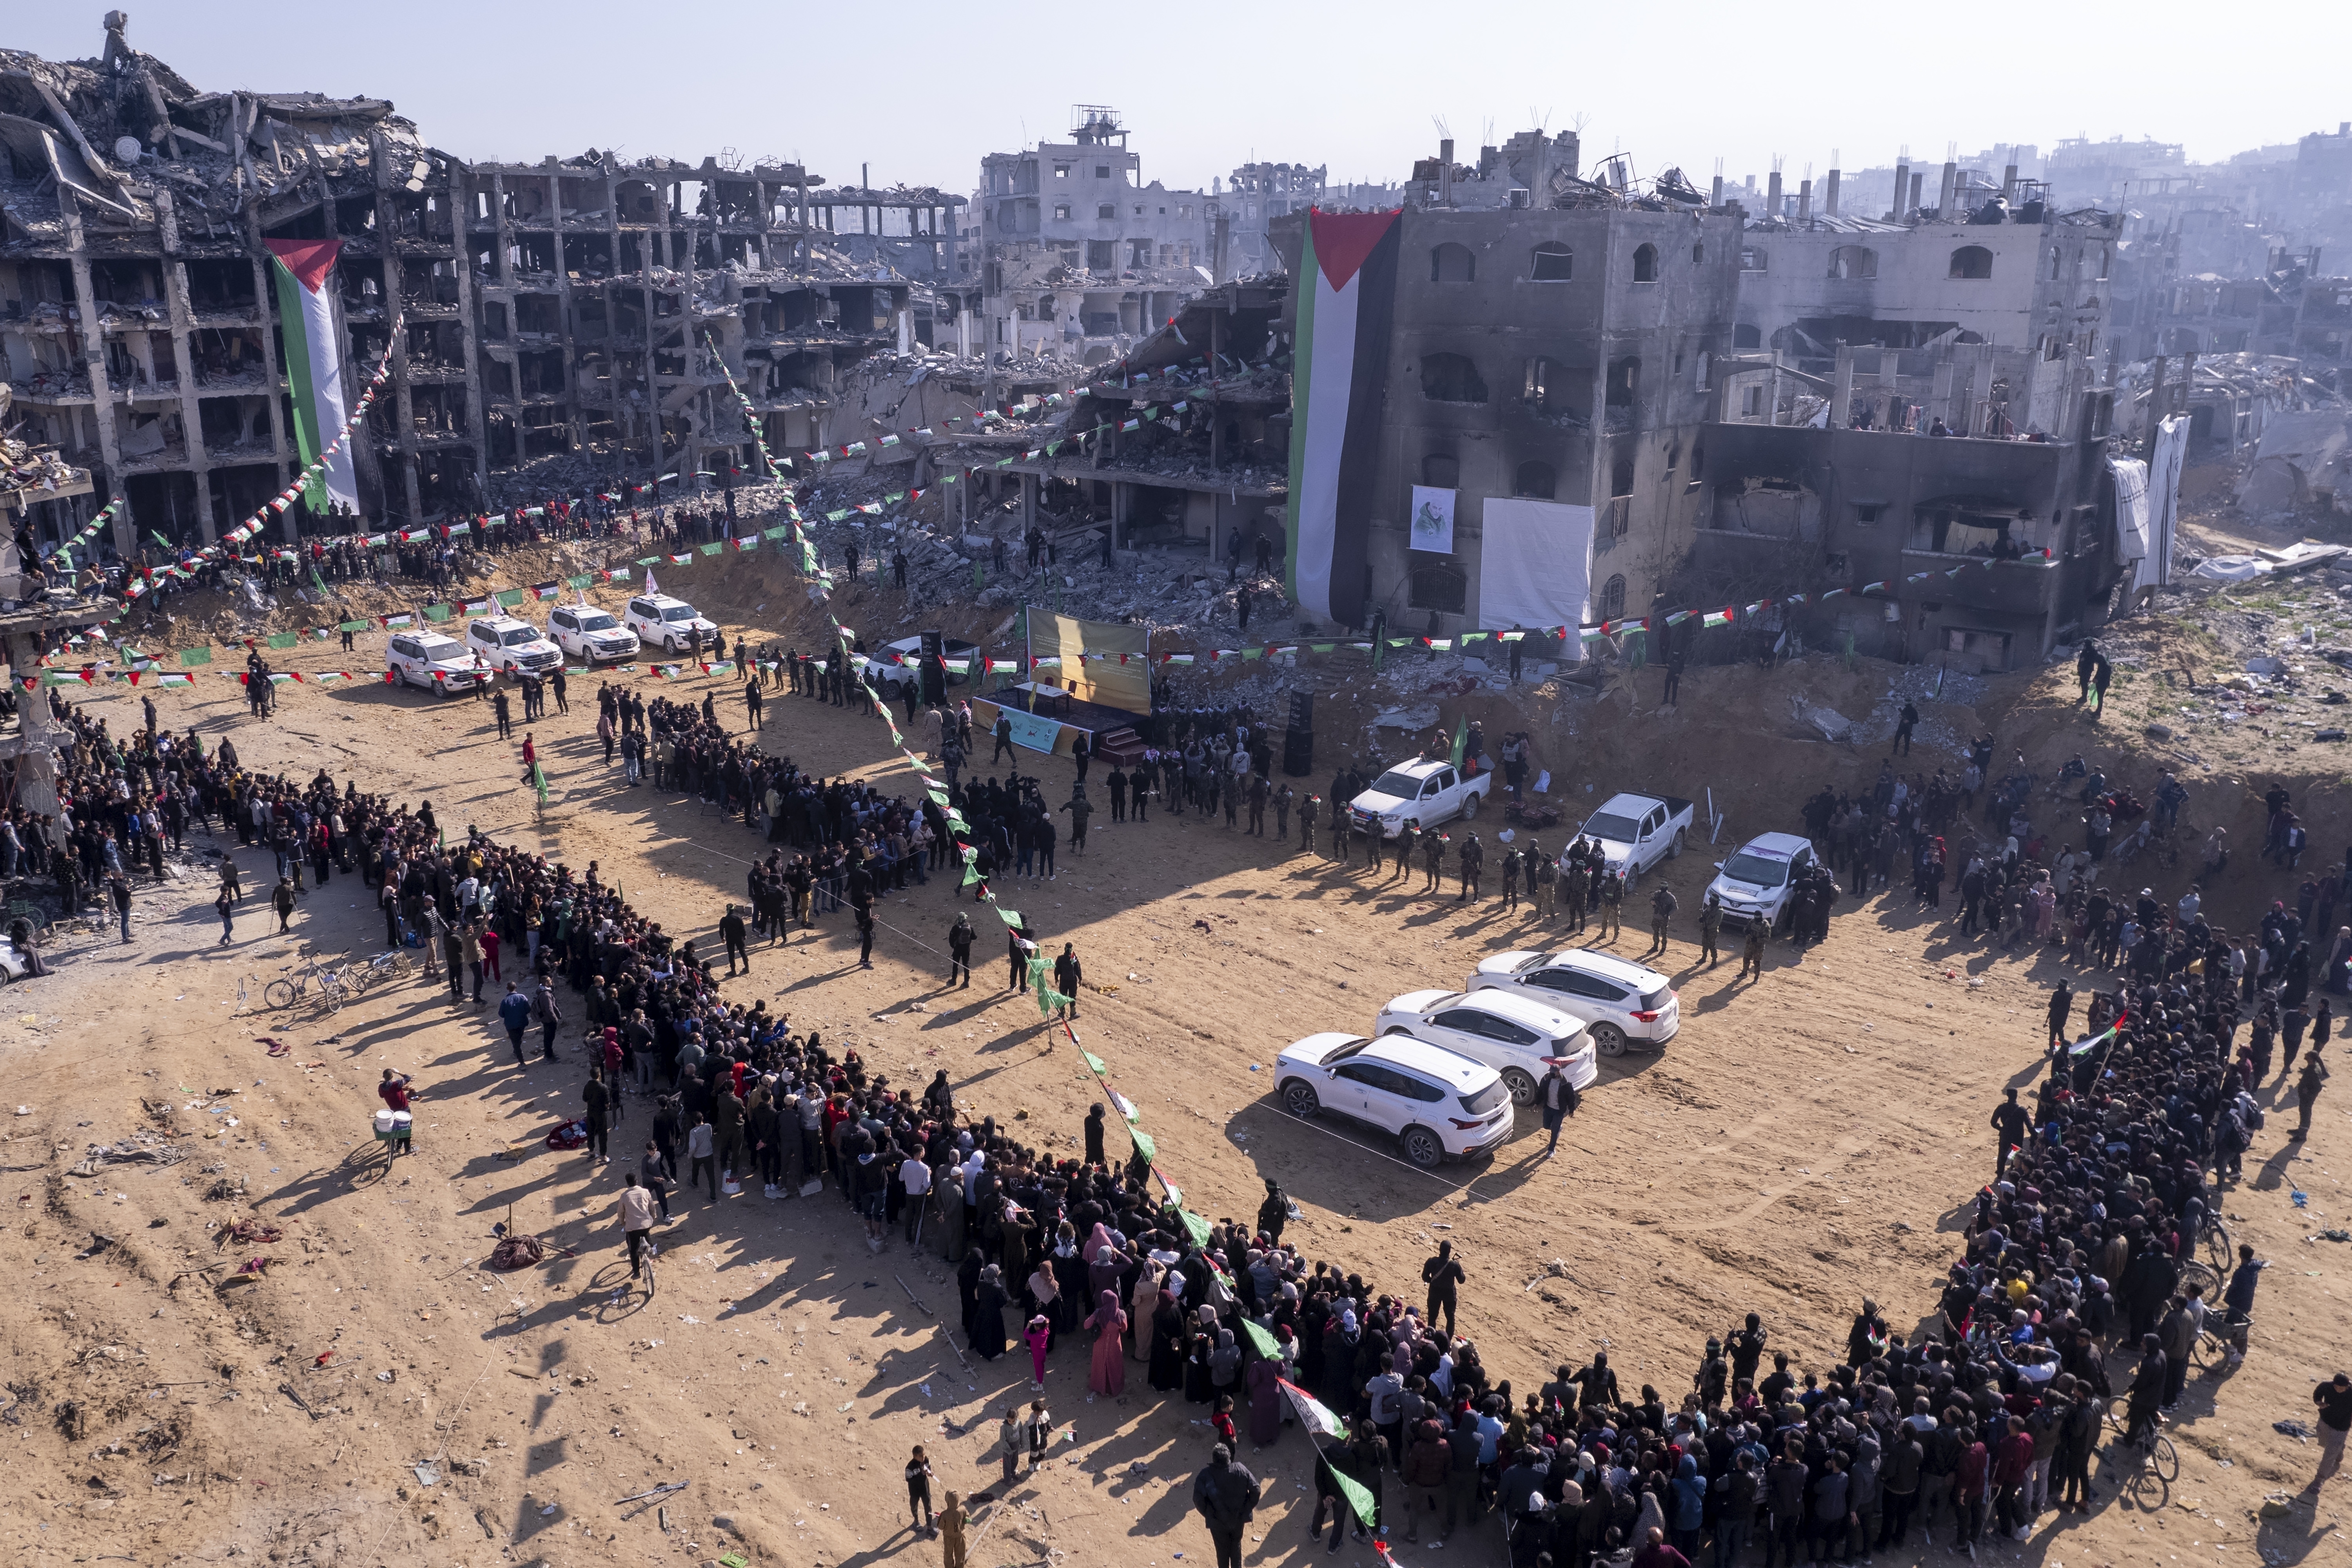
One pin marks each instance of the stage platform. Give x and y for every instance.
(1048, 720)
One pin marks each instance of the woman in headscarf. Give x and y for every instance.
(1070, 1278)
(1046, 1298)
(1143, 1311)
(1105, 1265)
(1166, 1344)
(1199, 1345)
(967, 1285)
(1264, 1380)
(1107, 1374)
(988, 1314)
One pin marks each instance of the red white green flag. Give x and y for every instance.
(314, 366)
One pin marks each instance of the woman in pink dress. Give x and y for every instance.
(1109, 1373)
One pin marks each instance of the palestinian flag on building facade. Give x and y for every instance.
(1345, 298)
(314, 364)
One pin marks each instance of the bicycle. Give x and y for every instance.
(383, 966)
(332, 989)
(2215, 1240)
(2159, 1462)
(2221, 1342)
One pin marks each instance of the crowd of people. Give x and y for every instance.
(2094, 1240)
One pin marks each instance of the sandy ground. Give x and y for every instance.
(1808, 1139)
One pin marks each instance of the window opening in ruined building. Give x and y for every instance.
(1613, 598)
(1453, 264)
(2106, 258)
(1107, 209)
(1646, 263)
(2056, 264)
(1441, 470)
(1868, 512)
(1061, 171)
(1546, 388)
(1971, 261)
(1624, 383)
(1535, 481)
(1451, 378)
(1752, 400)
(1554, 263)
(1444, 589)
(1062, 211)
(1752, 258)
(1102, 171)
(1850, 261)
(1621, 477)
(1674, 460)
(1699, 461)
(1698, 254)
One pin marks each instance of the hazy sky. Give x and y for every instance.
(919, 90)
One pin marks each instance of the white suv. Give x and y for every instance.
(1761, 876)
(1440, 1104)
(432, 661)
(590, 635)
(506, 643)
(667, 624)
(1618, 999)
(1516, 1036)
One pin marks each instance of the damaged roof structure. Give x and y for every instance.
(557, 321)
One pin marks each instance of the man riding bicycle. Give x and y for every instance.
(2238, 1301)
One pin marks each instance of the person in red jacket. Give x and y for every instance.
(2012, 1463)
(1970, 1492)
(529, 756)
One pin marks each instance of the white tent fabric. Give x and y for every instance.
(1535, 564)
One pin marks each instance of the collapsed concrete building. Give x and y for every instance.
(550, 312)
(1078, 255)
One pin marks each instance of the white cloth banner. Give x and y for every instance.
(1535, 565)
(2131, 507)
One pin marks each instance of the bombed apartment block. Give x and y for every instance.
(139, 326)
(1500, 405)
(1078, 256)
(560, 323)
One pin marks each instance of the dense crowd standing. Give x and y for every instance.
(2085, 1244)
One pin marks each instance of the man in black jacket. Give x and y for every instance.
(1226, 1495)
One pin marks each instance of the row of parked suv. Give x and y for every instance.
(436, 660)
(1442, 1070)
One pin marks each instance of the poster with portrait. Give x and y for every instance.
(1432, 519)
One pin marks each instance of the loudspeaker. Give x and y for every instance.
(1298, 750)
(1302, 709)
(934, 645)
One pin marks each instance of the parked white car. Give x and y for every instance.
(590, 635)
(1619, 1001)
(889, 677)
(1427, 790)
(1760, 877)
(505, 643)
(1637, 831)
(667, 624)
(430, 660)
(1516, 1036)
(1439, 1104)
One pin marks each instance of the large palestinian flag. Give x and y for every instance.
(314, 363)
(1346, 296)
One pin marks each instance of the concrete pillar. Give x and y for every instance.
(461, 211)
(176, 299)
(1948, 192)
(1981, 391)
(1902, 190)
(564, 319)
(1028, 501)
(93, 353)
(1830, 198)
(1842, 399)
(36, 761)
(1805, 201)
(1916, 181)
(389, 269)
(1772, 196)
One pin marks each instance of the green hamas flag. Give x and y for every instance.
(1367, 1510)
(1261, 1341)
(1143, 1144)
(192, 655)
(1194, 1226)
(539, 782)
(283, 639)
(1095, 1064)
(1461, 738)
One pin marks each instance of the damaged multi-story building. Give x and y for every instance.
(1077, 256)
(557, 319)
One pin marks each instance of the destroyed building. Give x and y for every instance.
(551, 312)
(1078, 255)
(1242, 208)
(1534, 379)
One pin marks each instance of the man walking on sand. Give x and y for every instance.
(1661, 910)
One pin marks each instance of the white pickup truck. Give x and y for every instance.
(1637, 831)
(1427, 790)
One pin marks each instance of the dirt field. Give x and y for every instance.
(1807, 1140)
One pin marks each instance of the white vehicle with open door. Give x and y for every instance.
(1427, 790)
